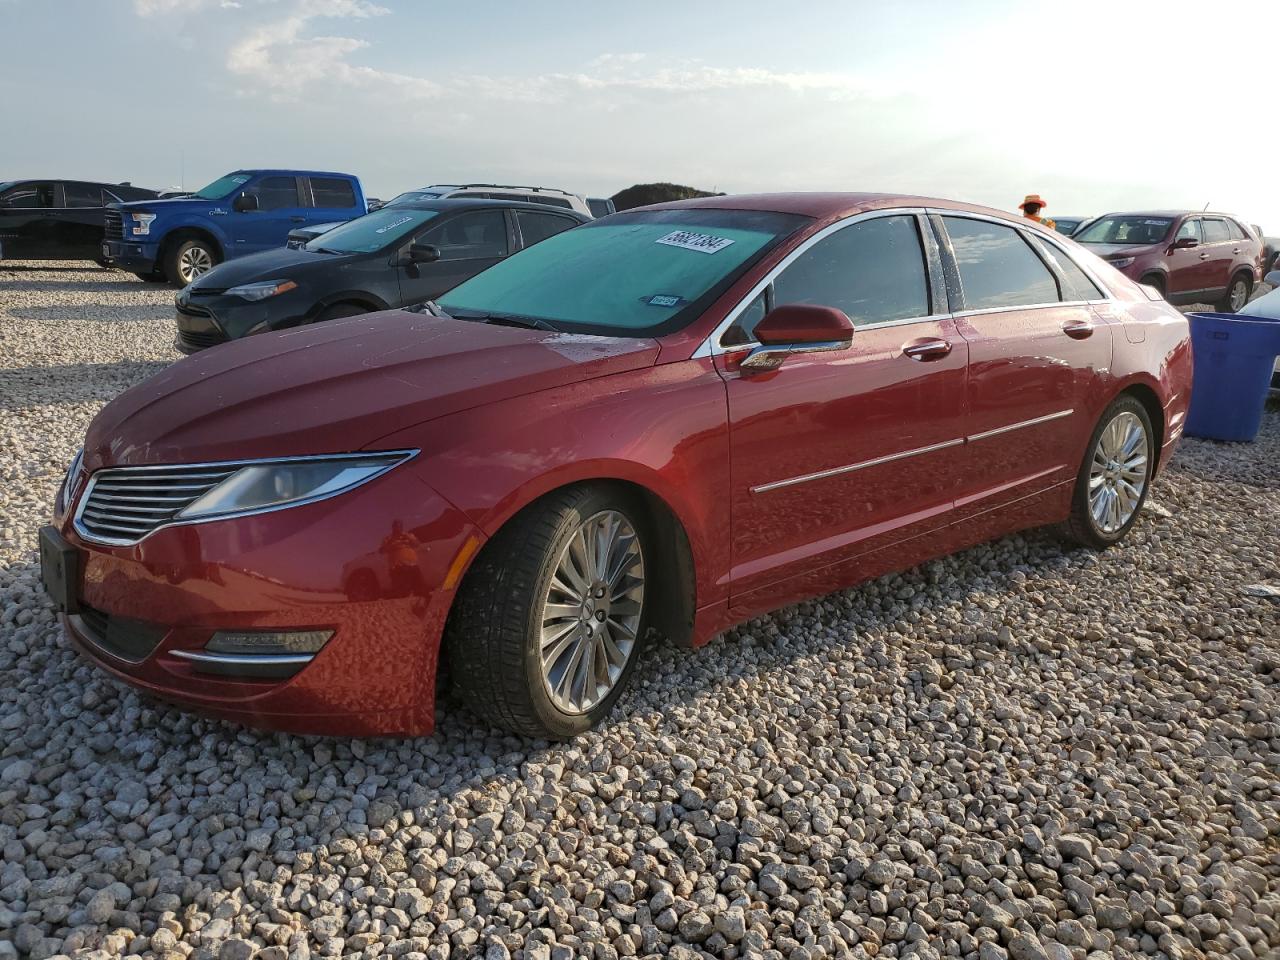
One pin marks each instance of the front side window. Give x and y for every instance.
(481, 235)
(640, 273)
(1132, 229)
(997, 268)
(276, 193)
(333, 192)
(1078, 284)
(372, 232)
(28, 196)
(223, 186)
(536, 227)
(83, 195)
(1215, 231)
(1190, 228)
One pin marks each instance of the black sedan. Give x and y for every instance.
(392, 257)
(58, 219)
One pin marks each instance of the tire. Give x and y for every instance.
(155, 276)
(338, 311)
(494, 635)
(189, 259)
(1090, 523)
(1237, 294)
(1156, 281)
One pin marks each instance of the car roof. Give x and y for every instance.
(475, 203)
(286, 172)
(830, 206)
(1169, 213)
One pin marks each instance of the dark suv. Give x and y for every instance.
(1189, 256)
(58, 219)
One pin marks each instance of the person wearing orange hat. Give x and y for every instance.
(1031, 207)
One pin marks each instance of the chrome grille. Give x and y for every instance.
(122, 506)
(114, 225)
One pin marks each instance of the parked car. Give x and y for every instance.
(1270, 251)
(601, 206)
(1267, 306)
(1188, 256)
(675, 418)
(58, 219)
(244, 212)
(1068, 225)
(389, 258)
(496, 191)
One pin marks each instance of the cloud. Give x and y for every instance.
(152, 8)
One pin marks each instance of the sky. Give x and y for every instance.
(1096, 106)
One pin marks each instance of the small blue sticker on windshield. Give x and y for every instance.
(663, 300)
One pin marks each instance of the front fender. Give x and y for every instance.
(190, 221)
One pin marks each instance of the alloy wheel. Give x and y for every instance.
(590, 617)
(1119, 473)
(1239, 295)
(194, 262)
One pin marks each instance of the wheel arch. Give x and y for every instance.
(186, 231)
(1146, 395)
(357, 298)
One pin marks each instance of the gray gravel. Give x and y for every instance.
(1017, 752)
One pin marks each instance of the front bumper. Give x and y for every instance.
(206, 321)
(375, 565)
(131, 255)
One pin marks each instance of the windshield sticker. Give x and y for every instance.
(663, 300)
(239, 180)
(1156, 223)
(700, 242)
(393, 224)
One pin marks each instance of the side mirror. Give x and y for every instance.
(798, 328)
(1185, 243)
(245, 203)
(299, 238)
(423, 253)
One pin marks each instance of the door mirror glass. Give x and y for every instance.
(1185, 243)
(799, 324)
(245, 203)
(423, 253)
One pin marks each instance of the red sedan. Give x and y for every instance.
(667, 421)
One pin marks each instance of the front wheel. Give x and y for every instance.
(189, 259)
(548, 624)
(1237, 294)
(1113, 481)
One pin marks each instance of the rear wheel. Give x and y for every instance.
(188, 259)
(1113, 481)
(153, 276)
(1237, 294)
(548, 624)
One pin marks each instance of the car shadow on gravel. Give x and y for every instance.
(36, 267)
(94, 313)
(105, 285)
(72, 382)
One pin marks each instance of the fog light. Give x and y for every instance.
(268, 643)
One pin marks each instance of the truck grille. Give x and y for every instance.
(122, 506)
(114, 224)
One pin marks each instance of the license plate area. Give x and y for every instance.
(59, 569)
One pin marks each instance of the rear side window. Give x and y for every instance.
(1236, 233)
(535, 227)
(997, 268)
(276, 193)
(83, 194)
(1215, 231)
(333, 192)
(1078, 286)
(28, 195)
(481, 235)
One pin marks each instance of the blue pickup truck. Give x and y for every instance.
(244, 212)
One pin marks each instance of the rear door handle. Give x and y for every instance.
(1078, 329)
(929, 348)
(298, 219)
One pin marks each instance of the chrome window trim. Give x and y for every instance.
(916, 451)
(711, 345)
(90, 537)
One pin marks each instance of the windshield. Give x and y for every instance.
(371, 232)
(1134, 230)
(222, 186)
(1065, 225)
(413, 196)
(638, 273)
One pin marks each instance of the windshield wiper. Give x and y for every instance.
(506, 320)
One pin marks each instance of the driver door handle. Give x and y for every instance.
(1078, 329)
(298, 219)
(1204, 256)
(929, 348)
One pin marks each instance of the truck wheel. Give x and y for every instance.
(548, 623)
(1237, 294)
(189, 259)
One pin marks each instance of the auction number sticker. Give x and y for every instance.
(701, 242)
(393, 224)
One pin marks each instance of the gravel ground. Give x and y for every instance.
(1015, 752)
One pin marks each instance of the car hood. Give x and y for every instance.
(1266, 307)
(1112, 250)
(280, 263)
(173, 203)
(339, 386)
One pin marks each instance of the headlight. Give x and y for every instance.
(141, 223)
(1121, 263)
(62, 502)
(262, 289)
(290, 483)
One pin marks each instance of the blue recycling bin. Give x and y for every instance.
(1234, 356)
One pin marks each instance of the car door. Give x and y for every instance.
(27, 222)
(1185, 263)
(1038, 357)
(1216, 257)
(534, 226)
(280, 209)
(468, 242)
(839, 453)
(333, 199)
(80, 226)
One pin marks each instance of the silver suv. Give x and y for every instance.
(497, 191)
